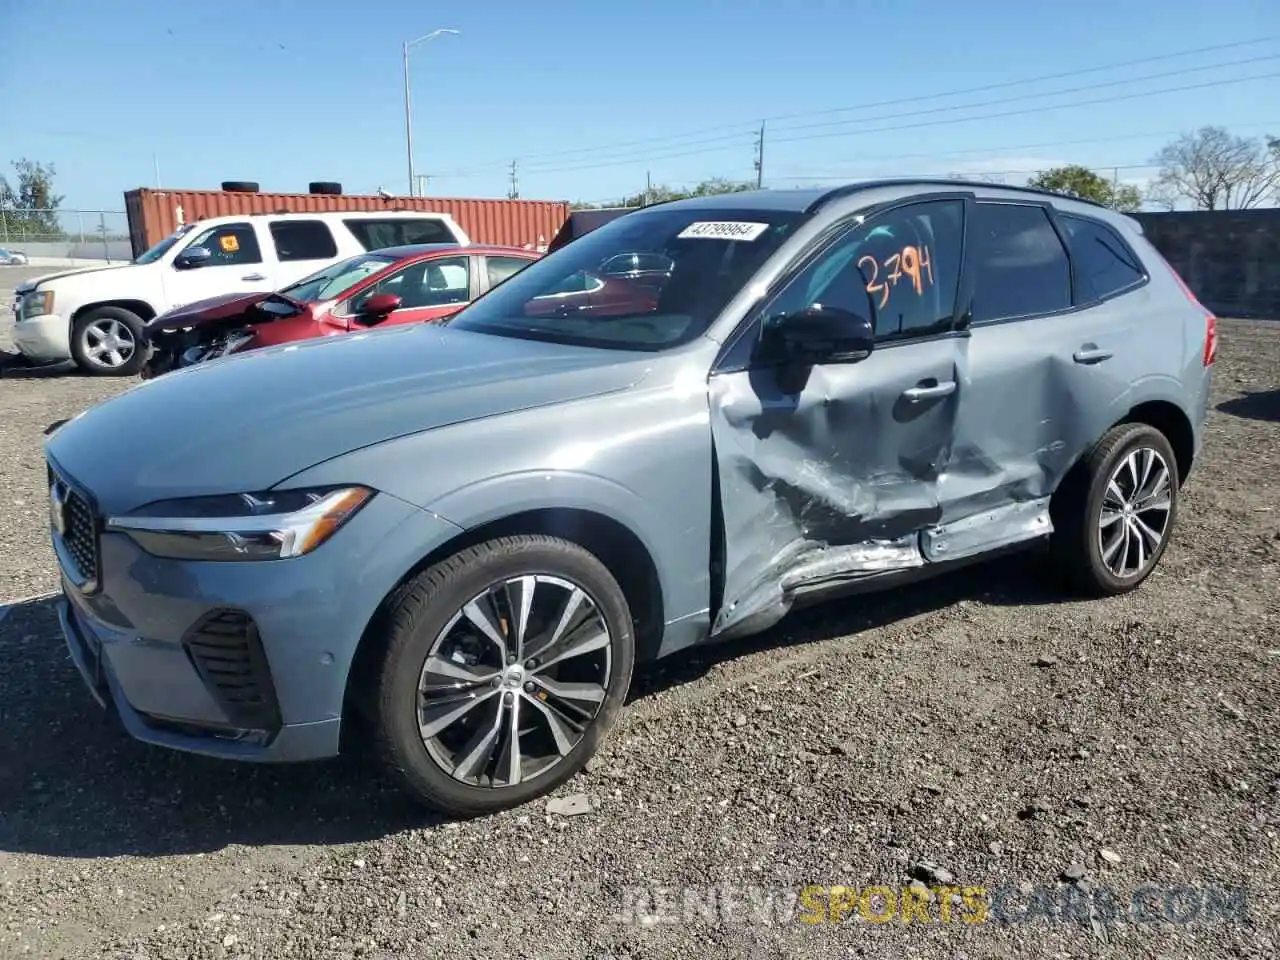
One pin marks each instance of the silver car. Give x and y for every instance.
(13, 258)
(461, 539)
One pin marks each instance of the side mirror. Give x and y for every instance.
(375, 309)
(815, 335)
(192, 257)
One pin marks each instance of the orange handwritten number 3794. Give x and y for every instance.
(912, 262)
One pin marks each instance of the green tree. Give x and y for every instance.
(31, 207)
(1077, 181)
(1215, 170)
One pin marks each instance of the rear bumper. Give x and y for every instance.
(43, 338)
(291, 742)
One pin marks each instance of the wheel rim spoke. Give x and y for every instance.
(539, 641)
(586, 640)
(461, 673)
(563, 731)
(590, 692)
(448, 711)
(478, 751)
(519, 595)
(484, 618)
(510, 760)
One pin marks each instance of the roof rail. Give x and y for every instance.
(850, 188)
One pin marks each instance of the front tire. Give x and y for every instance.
(506, 664)
(108, 342)
(1113, 520)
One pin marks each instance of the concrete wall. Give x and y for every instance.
(1229, 258)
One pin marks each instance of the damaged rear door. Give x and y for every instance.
(829, 471)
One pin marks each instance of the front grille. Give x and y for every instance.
(79, 533)
(227, 652)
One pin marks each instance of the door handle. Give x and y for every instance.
(1091, 354)
(254, 276)
(917, 394)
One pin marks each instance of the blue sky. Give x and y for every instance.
(590, 98)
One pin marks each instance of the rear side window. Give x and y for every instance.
(303, 240)
(499, 268)
(1020, 266)
(374, 234)
(1105, 265)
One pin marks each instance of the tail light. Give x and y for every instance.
(1210, 321)
(1210, 340)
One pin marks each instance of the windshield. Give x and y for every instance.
(158, 251)
(336, 279)
(646, 281)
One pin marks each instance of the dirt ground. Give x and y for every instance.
(980, 723)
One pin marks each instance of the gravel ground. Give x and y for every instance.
(980, 723)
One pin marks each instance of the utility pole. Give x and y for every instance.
(422, 184)
(648, 189)
(514, 192)
(760, 158)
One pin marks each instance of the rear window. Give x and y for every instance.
(303, 240)
(374, 234)
(1105, 265)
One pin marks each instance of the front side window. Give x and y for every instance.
(1020, 266)
(303, 240)
(428, 283)
(336, 279)
(165, 245)
(374, 233)
(231, 244)
(900, 270)
(565, 297)
(1104, 264)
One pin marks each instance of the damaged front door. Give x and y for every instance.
(828, 454)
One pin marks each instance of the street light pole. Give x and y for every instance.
(408, 111)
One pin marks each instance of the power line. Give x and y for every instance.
(595, 164)
(934, 155)
(970, 173)
(1036, 109)
(882, 103)
(724, 142)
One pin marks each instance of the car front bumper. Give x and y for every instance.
(44, 338)
(244, 661)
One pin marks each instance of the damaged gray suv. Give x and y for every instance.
(458, 540)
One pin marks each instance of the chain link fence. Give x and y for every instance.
(67, 234)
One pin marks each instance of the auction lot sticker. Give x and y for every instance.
(722, 230)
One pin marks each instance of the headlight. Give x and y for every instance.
(37, 302)
(247, 526)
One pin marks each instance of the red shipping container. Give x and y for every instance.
(154, 214)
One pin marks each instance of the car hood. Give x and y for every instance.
(248, 422)
(210, 310)
(28, 285)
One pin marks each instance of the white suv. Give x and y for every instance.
(94, 315)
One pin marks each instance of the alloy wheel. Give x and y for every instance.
(109, 343)
(1134, 518)
(514, 681)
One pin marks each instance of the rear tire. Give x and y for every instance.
(1114, 515)
(462, 678)
(108, 342)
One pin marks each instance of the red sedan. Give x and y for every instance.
(410, 284)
